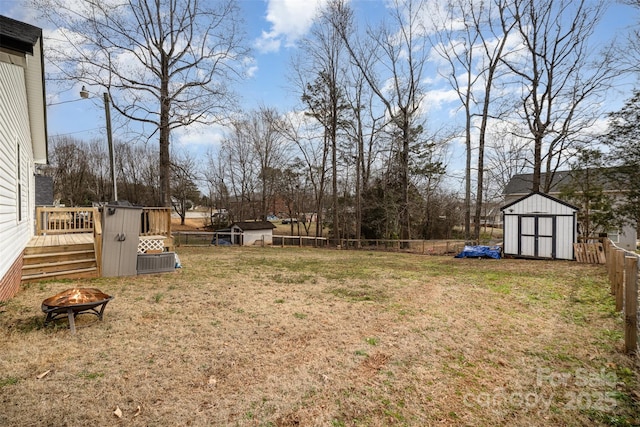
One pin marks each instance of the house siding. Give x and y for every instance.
(16, 213)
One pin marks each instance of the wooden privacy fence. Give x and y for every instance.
(622, 268)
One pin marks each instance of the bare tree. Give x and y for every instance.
(98, 160)
(214, 172)
(263, 130)
(506, 157)
(137, 164)
(164, 63)
(69, 167)
(560, 80)
(184, 190)
(320, 74)
(363, 129)
(472, 39)
(313, 158)
(400, 54)
(243, 172)
(629, 50)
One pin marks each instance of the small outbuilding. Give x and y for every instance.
(539, 226)
(248, 233)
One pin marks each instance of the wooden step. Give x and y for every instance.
(70, 261)
(35, 250)
(83, 273)
(44, 258)
(58, 266)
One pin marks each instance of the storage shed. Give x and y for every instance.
(251, 232)
(539, 226)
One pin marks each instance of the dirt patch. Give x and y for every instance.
(302, 337)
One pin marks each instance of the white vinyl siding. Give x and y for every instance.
(14, 133)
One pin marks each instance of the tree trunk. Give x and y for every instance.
(405, 232)
(467, 177)
(165, 160)
(537, 164)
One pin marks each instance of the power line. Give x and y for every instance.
(78, 131)
(64, 102)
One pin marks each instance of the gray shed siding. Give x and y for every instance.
(539, 226)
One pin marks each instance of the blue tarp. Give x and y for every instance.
(480, 252)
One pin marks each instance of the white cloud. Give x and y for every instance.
(250, 67)
(290, 20)
(200, 135)
(435, 99)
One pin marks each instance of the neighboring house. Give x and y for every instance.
(520, 186)
(23, 143)
(490, 215)
(539, 226)
(248, 233)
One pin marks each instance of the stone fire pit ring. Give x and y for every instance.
(75, 301)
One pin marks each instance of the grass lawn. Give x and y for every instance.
(304, 337)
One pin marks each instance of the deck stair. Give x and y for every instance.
(61, 261)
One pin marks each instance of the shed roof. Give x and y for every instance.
(254, 225)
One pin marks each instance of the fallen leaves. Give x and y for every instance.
(118, 412)
(44, 374)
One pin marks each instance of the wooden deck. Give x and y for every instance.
(60, 240)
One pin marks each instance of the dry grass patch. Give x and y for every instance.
(303, 337)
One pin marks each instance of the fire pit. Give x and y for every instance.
(73, 302)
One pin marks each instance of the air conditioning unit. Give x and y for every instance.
(156, 263)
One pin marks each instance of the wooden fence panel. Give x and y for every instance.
(589, 253)
(619, 278)
(631, 304)
(622, 267)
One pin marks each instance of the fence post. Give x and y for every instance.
(631, 304)
(610, 254)
(619, 275)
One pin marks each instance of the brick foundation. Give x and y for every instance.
(10, 283)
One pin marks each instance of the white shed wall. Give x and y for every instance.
(565, 237)
(545, 212)
(510, 232)
(538, 204)
(15, 231)
(252, 236)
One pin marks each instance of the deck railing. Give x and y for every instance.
(64, 220)
(50, 220)
(156, 221)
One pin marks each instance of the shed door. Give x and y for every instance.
(537, 236)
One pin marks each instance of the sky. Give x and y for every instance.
(274, 28)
